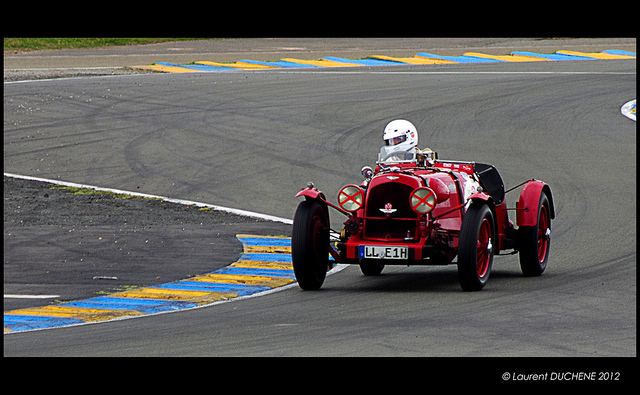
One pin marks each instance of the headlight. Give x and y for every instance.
(422, 200)
(351, 198)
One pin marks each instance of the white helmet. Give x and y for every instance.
(401, 132)
(400, 138)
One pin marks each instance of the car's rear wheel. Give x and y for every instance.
(535, 242)
(310, 244)
(475, 247)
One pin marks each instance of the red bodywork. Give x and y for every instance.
(386, 220)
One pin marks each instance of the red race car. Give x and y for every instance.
(418, 210)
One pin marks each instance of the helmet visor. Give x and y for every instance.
(396, 140)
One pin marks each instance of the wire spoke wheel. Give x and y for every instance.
(484, 252)
(475, 247)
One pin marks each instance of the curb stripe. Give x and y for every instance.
(557, 56)
(455, 59)
(364, 62)
(414, 60)
(274, 257)
(195, 67)
(243, 66)
(166, 69)
(280, 63)
(264, 265)
(15, 323)
(421, 58)
(620, 52)
(321, 62)
(602, 55)
(259, 272)
(139, 305)
(505, 58)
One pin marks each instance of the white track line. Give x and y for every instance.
(164, 198)
(11, 296)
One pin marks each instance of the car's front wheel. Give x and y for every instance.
(476, 247)
(310, 244)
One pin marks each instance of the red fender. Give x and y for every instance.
(310, 193)
(481, 196)
(528, 205)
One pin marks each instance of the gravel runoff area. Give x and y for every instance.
(39, 74)
(77, 243)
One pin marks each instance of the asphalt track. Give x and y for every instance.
(250, 140)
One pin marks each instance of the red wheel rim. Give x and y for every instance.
(484, 248)
(543, 237)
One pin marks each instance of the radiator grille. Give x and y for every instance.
(397, 195)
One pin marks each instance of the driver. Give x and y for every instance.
(401, 141)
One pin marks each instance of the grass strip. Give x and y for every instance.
(52, 43)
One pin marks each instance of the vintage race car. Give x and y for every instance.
(419, 210)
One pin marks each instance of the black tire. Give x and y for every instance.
(476, 247)
(310, 244)
(369, 268)
(535, 241)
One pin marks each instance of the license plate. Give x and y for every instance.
(384, 252)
